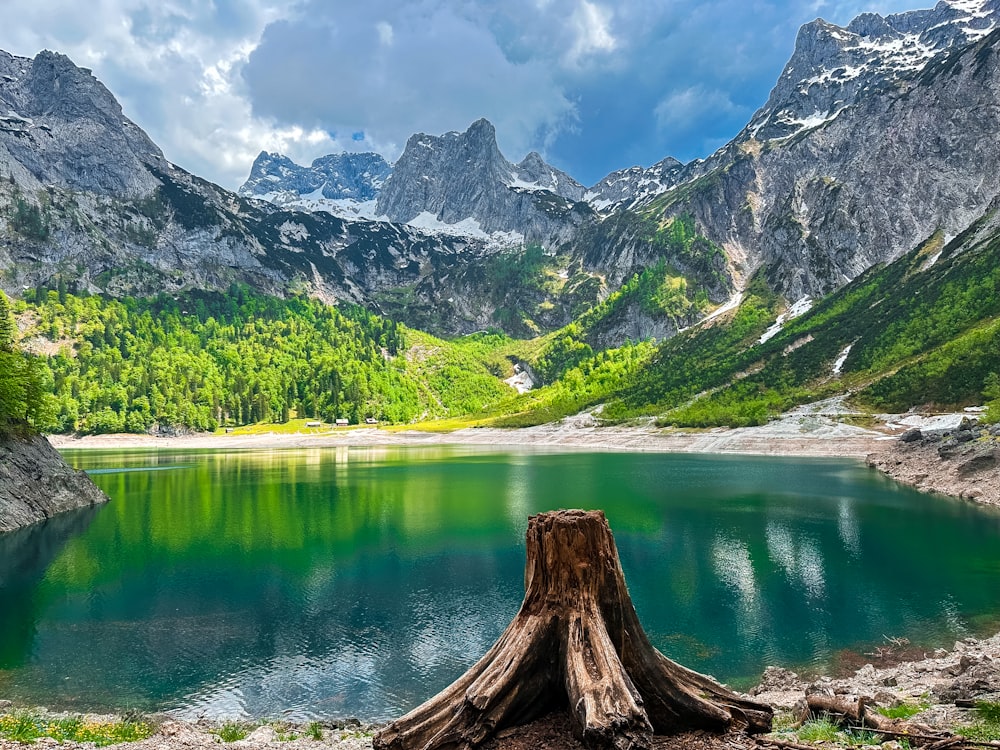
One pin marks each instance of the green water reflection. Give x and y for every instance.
(358, 582)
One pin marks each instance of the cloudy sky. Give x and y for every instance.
(593, 85)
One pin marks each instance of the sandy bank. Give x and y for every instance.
(797, 434)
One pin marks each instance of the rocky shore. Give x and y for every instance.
(962, 461)
(36, 483)
(942, 686)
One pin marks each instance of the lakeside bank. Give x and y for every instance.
(938, 687)
(793, 435)
(969, 472)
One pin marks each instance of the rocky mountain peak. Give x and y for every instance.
(833, 66)
(60, 87)
(831, 69)
(533, 173)
(60, 126)
(482, 130)
(635, 185)
(335, 177)
(464, 179)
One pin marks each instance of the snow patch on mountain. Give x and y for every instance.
(801, 306)
(838, 366)
(833, 66)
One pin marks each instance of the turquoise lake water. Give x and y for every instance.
(360, 581)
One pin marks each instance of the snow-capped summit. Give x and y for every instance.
(832, 66)
(462, 179)
(336, 177)
(532, 173)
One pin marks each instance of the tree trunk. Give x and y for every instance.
(575, 642)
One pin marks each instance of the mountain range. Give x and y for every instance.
(876, 137)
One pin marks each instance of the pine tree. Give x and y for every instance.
(7, 327)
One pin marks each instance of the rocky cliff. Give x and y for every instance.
(87, 199)
(357, 177)
(884, 164)
(456, 183)
(36, 483)
(876, 136)
(60, 126)
(463, 177)
(345, 185)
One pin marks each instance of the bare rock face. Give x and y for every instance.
(877, 136)
(60, 125)
(36, 483)
(463, 176)
(348, 176)
(964, 463)
(834, 67)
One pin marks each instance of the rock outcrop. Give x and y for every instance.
(336, 177)
(60, 126)
(463, 177)
(877, 136)
(964, 462)
(36, 483)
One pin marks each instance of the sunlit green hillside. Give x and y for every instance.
(923, 331)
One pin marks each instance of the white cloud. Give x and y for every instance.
(685, 108)
(443, 68)
(384, 33)
(592, 24)
(215, 82)
(174, 66)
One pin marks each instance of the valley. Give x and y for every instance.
(325, 403)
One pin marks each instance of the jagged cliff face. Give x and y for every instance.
(833, 68)
(86, 196)
(456, 183)
(865, 187)
(36, 483)
(344, 185)
(463, 177)
(60, 126)
(876, 136)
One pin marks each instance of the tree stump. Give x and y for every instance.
(576, 642)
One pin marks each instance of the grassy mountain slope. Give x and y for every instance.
(922, 331)
(204, 359)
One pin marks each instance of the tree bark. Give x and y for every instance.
(576, 642)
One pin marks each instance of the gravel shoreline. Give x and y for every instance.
(894, 674)
(962, 462)
(796, 434)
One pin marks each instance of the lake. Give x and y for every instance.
(360, 581)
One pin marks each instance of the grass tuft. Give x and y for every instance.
(902, 711)
(231, 731)
(819, 730)
(987, 728)
(26, 726)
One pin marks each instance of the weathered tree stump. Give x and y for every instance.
(575, 642)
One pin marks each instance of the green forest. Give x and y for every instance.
(207, 360)
(23, 391)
